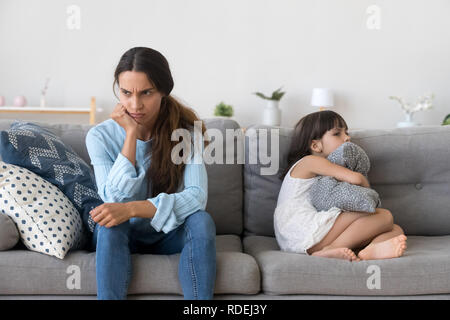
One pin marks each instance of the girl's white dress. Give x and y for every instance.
(298, 225)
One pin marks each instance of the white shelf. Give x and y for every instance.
(71, 110)
(46, 109)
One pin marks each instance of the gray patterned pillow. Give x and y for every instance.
(327, 192)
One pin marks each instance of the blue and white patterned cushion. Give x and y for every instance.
(46, 219)
(39, 150)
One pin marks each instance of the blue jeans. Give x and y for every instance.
(195, 239)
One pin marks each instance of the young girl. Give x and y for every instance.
(333, 233)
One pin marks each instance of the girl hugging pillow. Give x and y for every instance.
(327, 192)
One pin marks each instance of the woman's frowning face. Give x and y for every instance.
(140, 97)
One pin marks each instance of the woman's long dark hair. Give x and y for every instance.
(164, 175)
(311, 127)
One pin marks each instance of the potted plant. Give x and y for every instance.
(272, 114)
(446, 120)
(223, 110)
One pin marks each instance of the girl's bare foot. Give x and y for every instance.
(391, 248)
(337, 253)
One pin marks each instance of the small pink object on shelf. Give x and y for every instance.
(20, 101)
(2, 101)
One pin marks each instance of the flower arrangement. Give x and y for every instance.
(223, 110)
(43, 92)
(423, 103)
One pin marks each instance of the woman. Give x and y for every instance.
(151, 204)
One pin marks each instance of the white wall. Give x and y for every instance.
(225, 50)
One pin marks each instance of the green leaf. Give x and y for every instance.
(277, 94)
(259, 94)
(446, 120)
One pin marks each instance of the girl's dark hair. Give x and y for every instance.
(311, 127)
(163, 174)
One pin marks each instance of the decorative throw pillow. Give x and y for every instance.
(39, 150)
(327, 192)
(8, 232)
(47, 220)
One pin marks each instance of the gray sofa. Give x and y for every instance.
(410, 171)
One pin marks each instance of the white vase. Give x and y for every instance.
(43, 103)
(272, 114)
(408, 122)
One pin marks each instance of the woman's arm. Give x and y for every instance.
(173, 209)
(117, 179)
(123, 119)
(316, 165)
(113, 214)
(129, 146)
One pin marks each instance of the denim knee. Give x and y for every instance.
(202, 225)
(116, 233)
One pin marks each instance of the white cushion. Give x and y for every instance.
(46, 219)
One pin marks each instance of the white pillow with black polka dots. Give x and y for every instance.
(46, 219)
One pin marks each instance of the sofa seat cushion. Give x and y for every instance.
(27, 272)
(423, 269)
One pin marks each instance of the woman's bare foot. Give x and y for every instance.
(338, 253)
(391, 248)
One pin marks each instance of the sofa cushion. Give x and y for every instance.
(225, 186)
(9, 235)
(41, 151)
(237, 272)
(410, 171)
(423, 269)
(47, 220)
(261, 189)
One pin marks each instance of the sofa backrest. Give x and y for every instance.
(410, 169)
(225, 183)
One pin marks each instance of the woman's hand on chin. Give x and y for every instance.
(111, 214)
(122, 117)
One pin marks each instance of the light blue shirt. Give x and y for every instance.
(119, 181)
